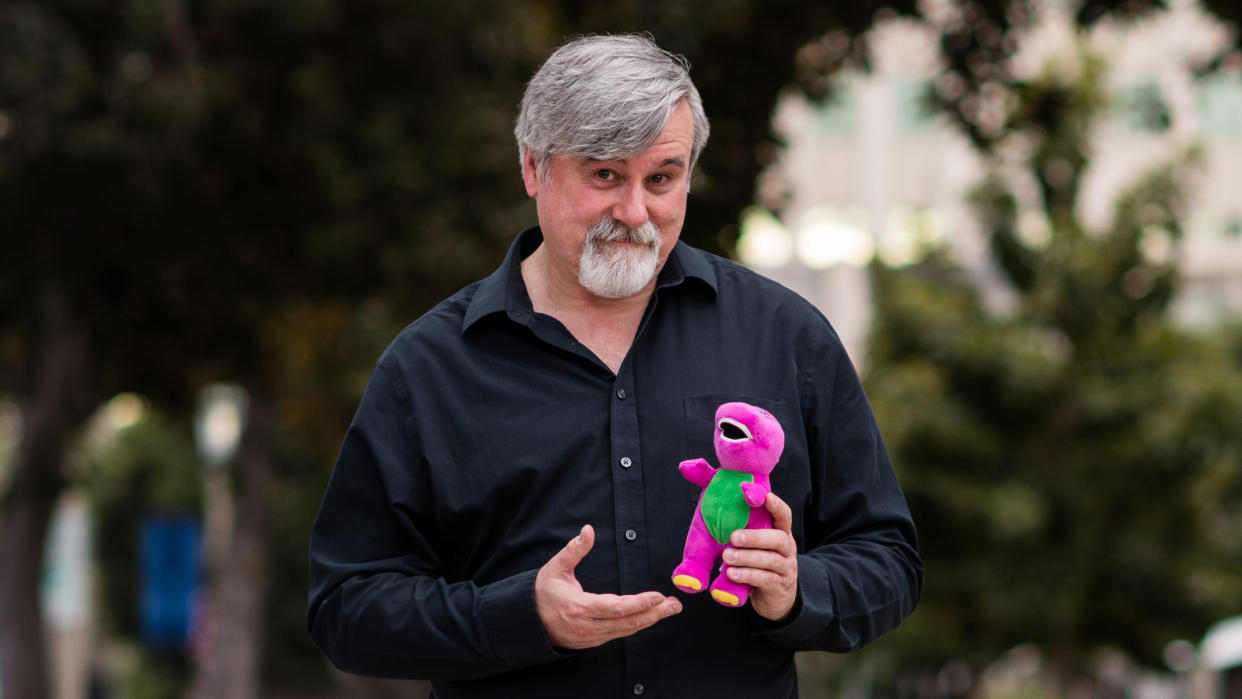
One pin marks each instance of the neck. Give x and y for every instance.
(605, 326)
(556, 293)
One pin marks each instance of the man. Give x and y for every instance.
(553, 401)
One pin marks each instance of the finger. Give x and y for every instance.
(764, 569)
(760, 578)
(782, 516)
(620, 606)
(609, 629)
(572, 554)
(769, 539)
(763, 559)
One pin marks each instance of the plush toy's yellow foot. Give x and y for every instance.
(687, 581)
(725, 598)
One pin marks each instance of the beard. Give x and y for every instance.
(612, 271)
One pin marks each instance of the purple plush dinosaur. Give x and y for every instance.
(749, 442)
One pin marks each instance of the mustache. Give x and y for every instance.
(612, 230)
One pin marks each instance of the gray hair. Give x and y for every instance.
(606, 98)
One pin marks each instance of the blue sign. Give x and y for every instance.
(170, 575)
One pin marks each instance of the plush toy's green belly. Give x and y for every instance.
(724, 509)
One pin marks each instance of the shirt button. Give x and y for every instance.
(625, 462)
(639, 689)
(631, 535)
(621, 393)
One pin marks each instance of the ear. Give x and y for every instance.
(530, 174)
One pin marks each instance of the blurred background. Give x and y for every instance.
(1024, 218)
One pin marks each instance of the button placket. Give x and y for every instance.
(630, 519)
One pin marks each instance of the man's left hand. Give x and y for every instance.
(767, 560)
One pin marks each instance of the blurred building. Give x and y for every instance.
(873, 173)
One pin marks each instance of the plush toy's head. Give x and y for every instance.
(748, 438)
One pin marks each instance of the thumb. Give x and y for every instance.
(578, 547)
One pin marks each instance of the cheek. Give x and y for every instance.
(571, 205)
(669, 223)
(669, 219)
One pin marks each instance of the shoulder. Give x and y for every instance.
(436, 333)
(747, 294)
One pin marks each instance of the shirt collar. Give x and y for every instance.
(505, 291)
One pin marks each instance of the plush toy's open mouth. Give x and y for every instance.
(733, 431)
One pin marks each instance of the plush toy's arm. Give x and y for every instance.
(697, 471)
(754, 494)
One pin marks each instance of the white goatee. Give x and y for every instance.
(616, 272)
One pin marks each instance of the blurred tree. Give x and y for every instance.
(977, 40)
(1070, 455)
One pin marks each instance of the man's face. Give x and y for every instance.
(610, 225)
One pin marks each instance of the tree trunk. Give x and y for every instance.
(23, 654)
(52, 407)
(228, 666)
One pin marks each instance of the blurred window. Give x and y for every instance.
(839, 115)
(914, 116)
(1143, 108)
(1220, 107)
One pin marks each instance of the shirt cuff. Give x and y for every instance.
(813, 610)
(512, 622)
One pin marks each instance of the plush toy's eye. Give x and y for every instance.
(733, 431)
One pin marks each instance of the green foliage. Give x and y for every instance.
(148, 675)
(1070, 460)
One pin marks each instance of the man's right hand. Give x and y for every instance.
(574, 618)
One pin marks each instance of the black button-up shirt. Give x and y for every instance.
(488, 436)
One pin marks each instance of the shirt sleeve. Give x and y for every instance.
(380, 603)
(859, 572)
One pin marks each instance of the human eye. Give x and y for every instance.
(604, 174)
(660, 179)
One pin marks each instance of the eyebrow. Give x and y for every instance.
(675, 161)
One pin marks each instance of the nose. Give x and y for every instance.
(631, 206)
